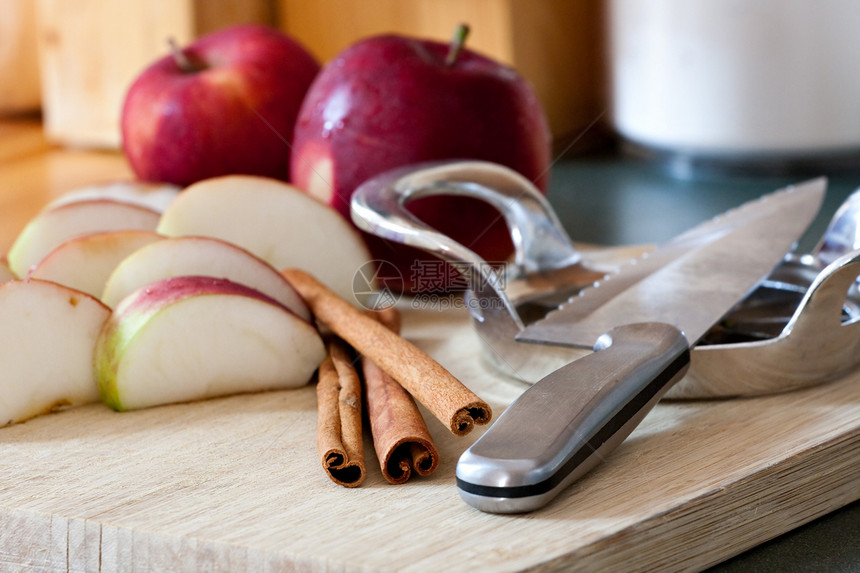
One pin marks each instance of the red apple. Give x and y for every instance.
(225, 104)
(389, 101)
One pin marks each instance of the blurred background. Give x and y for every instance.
(766, 82)
(663, 112)
(74, 59)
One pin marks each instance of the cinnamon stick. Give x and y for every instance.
(339, 441)
(400, 437)
(429, 383)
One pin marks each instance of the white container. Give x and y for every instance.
(737, 77)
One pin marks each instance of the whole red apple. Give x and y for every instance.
(389, 101)
(225, 104)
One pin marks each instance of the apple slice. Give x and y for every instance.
(277, 222)
(50, 228)
(156, 196)
(190, 338)
(203, 256)
(47, 338)
(85, 263)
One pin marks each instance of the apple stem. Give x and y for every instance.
(457, 42)
(184, 62)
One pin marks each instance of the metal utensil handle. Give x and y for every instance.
(540, 242)
(843, 232)
(565, 424)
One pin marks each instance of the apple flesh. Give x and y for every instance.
(389, 101)
(47, 338)
(225, 104)
(53, 227)
(201, 256)
(191, 338)
(275, 221)
(156, 196)
(85, 263)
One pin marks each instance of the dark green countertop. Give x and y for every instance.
(610, 198)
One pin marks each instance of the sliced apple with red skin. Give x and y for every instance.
(203, 256)
(276, 221)
(86, 262)
(156, 196)
(47, 337)
(52, 227)
(190, 338)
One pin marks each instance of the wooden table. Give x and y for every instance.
(234, 484)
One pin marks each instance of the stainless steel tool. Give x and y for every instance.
(546, 270)
(566, 423)
(800, 328)
(769, 327)
(777, 299)
(842, 234)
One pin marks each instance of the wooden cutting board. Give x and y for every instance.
(235, 484)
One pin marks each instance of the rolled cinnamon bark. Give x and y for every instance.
(339, 440)
(428, 381)
(400, 437)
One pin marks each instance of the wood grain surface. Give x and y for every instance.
(234, 484)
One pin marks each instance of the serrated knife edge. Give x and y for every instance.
(634, 271)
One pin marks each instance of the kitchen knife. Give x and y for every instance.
(567, 422)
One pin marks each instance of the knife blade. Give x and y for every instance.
(566, 423)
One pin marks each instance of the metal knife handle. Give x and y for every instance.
(565, 424)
